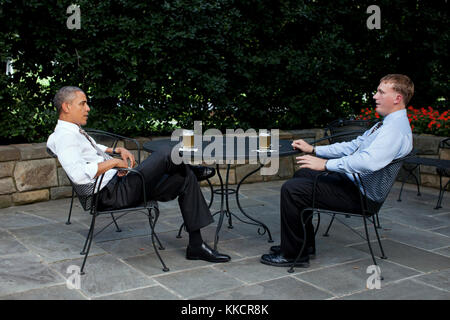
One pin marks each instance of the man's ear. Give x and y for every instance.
(65, 107)
(398, 98)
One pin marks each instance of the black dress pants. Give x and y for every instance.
(333, 192)
(164, 181)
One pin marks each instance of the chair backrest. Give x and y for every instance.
(340, 126)
(378, 184)
(443, 154)
(84, 192)
(444, 144)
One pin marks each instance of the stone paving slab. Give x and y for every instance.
(105, 274)
(250, 270)
(439, 279)
(54, 242)
(198, 282)
(58, 292)
(444, 231)
(414, 219)
(286, 288)
(151, 293)
(125, 248)
(419, 259)
(24, 272)
(19, 220)
(404, 290)
(443, 251)
(351, 277)
(424, 239)
(10, 245)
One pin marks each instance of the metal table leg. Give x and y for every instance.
(225, 192)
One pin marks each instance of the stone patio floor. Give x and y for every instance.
(37, 248)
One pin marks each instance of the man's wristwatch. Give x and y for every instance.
(114, 151)
(313, 151)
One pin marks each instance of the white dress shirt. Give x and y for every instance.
(371, 151)
(77, 156)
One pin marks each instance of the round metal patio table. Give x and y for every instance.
(234, 154)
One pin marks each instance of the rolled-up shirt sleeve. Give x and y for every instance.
(78, 170)
(102, 147)
(340, 149)
(380, 153)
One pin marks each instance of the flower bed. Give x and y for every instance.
(422, 120)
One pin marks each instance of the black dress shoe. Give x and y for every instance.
(203, 173)
(204, 252)
(278, 260)
(311, 251)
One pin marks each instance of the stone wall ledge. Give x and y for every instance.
(28, 174)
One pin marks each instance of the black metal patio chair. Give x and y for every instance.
(110, 140)
(442, 172)
(88, 198)
(412, 168)
(375, 185)
(342, 130)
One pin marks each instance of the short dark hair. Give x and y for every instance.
(401, 84)
(65, 94)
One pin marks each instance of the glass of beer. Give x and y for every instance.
(188, 139)
(264, 140)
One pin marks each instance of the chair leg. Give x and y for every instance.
(115, 222)
(161, 247)
(368, 240)
(165, 269)
(383, 256)
(89, 235)
(401, 188)
(70, 210)
(418, 183)
(441, 193)
(212, 193)
(318, 223)
(329, 226)
(88, 243)
(179, 231)
(378, 221)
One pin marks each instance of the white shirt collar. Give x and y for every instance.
(67, 125)
(394, 115)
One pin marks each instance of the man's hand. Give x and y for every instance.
(302, 145)
(312, 163)
(121, 163)
(125, 154)
(109, 164)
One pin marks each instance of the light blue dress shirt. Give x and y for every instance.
(370, 151)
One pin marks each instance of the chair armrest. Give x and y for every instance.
(141, 176)
(338, 135)
(117, 137)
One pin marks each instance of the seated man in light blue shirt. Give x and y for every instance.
(376, 148)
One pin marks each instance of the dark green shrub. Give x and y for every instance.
(149, 66)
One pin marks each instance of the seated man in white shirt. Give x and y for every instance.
(84, 160)
(376, 148)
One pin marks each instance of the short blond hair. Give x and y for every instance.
(401, 84)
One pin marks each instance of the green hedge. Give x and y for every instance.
(149, 66)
